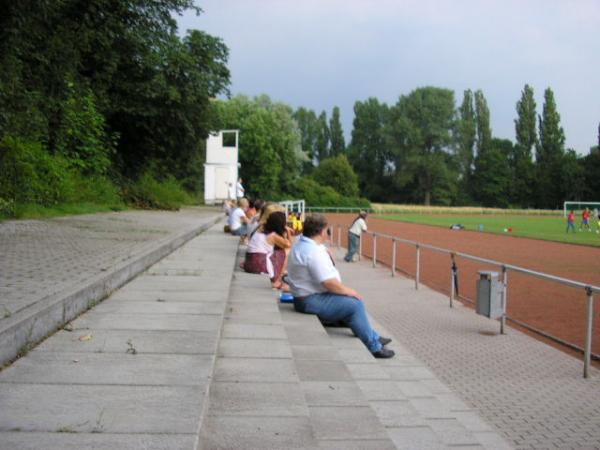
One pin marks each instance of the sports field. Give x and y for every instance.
(550, 228)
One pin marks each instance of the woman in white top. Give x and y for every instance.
(262, 256)
(358, 226)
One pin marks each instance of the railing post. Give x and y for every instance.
(418, 271)
(374, 250)
(588, 334)
(339, 236)
(452, 287)
(504, 299)
(393, 257)
(360, 240)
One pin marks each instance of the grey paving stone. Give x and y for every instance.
(493, 441)
(257, 399)
(106, 409)
(414, 388)
(431, 408)
(419, 437)
(323, 352)
(361, 371)
(253, 331)
(253, 369)
(163, 307)
(254, 348)
(212, 295)
(257, 318)
(95, 441)
(144, 341)
(356, 355)
(452, 432)
(346, 422)
(317, 370)
(357, 444)
(104, 368)
(251, 433)
(397, 413)
(380, 390)
(332, 393)
(312, 335)
(409, 373)
(110, 321)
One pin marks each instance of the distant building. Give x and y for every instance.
(221, 166)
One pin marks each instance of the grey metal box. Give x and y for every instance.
(489, 295)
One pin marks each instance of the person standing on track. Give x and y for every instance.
(358, 226)
(571, 221)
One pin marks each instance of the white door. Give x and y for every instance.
(221, 183)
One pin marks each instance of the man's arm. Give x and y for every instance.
(335, 286)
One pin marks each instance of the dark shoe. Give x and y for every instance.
(384, 353)
(384, 341)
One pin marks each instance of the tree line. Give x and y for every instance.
(425, 149)
(103, 100)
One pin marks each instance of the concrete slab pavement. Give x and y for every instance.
(127, 374)
(52, 270)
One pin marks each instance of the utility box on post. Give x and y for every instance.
(489, 295)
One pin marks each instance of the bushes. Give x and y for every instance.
(29, 175)
(316, 194)
(149, 192)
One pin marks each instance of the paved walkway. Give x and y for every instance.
(532, 393)
(52, 270)
(133, 372)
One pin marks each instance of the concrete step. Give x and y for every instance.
(132, 373)
(280, 382)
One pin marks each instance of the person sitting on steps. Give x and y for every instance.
(318, 289)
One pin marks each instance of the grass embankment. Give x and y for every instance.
(537, 226)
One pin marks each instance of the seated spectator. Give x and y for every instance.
(317, 287)
(238, 220)
(261, 256)
(254, 223)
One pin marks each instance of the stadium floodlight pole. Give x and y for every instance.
(588, 334)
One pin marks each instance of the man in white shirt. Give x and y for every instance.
(358, 226)
(238, 220)
(231, 192)
(317, 287)
(240, 191)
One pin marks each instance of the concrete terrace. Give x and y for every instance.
(195, 354)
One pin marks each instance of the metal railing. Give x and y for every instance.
(338, 209)
(587, 288)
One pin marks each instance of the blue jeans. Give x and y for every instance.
(241, 231)
(353, 241)
(341, 308)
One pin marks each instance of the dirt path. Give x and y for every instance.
(548, 306)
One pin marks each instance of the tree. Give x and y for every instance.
(484, 131)
(308, 125)
(523, 168)
(337, 173)
(270, 151)
(493, 174)
(368, 152)
(323, 138)
(420, 134)
(336, 134)
(549, 155)
(466, 131)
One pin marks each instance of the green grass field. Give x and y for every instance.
(531, 226)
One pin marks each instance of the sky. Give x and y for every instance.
(325, 53)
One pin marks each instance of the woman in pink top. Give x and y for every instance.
(266, 251)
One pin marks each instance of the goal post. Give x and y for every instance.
(579, 206)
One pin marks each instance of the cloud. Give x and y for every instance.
(319, 53)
